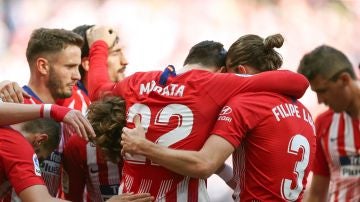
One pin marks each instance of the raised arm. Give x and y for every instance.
(99, 39)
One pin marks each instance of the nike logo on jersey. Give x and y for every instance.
(94, 170)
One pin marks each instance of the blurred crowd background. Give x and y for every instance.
(156, 33)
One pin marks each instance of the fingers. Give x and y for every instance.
(80, 124)
(11, 92)
(137, 121)
(105, 33)
(142, 197)
(89, 129)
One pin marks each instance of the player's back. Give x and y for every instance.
(277, 147)
(178, 115)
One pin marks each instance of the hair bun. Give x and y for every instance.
(273, 41)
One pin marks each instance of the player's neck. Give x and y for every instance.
(189, 67)
(41, 90)
(18, 127)
(84, 81)
(354, 108)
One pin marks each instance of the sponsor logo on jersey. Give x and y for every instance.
(107, 191)
(350, 166)
(52, 164)
(223, 116)
(94, 169)
(36, 165)
(225, 110)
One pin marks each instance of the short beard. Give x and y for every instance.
(54, 85)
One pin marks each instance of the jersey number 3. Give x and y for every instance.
(296, 142)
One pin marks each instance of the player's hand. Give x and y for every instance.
(133, 140)
(144, 197)
(12, 92)
(107, 34)
(81, 125)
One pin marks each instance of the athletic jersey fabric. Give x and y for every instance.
(274, 141)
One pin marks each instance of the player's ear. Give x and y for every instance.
(42, 65)
(241, 69)
(85, 63)
(221, 70)
(40, 138)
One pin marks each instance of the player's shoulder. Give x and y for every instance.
(10, 134)
(76, 141)
(325, 116)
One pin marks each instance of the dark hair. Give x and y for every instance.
(327, 62)
(256, 52)
(85, 49)
(108, 116)
(207, 53)
(45, 41)
(47, 126)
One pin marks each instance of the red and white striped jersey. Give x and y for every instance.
(51, 166)
(19, 166)
(178, 115)
(338, 154)
(275, 143)
(85, 165)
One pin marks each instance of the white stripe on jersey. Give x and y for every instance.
(83, 105)
(128, 182)
(333, 140)
(349, 139)
(239, 171)
(342, 188)
(145, 186)
(164, 188)
(113, 173)
(202, 191)
(93, 172)
(182, 189)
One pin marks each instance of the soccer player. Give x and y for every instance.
(110, 172)
(332, 78)
(96, 164)
(53, 56)
(21, 146)
(270, 135)
(176, 110)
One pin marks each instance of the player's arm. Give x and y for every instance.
(280, 81)
(225, 172)
(16, 113)
(319, 189)
(36, 193)
(199, 164)
(99, 39)
(127, 197)
(321, 174)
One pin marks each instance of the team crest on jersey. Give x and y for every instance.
(36, 165)
(224, 114)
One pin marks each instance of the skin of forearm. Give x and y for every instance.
(187, 163)
(16, 113)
